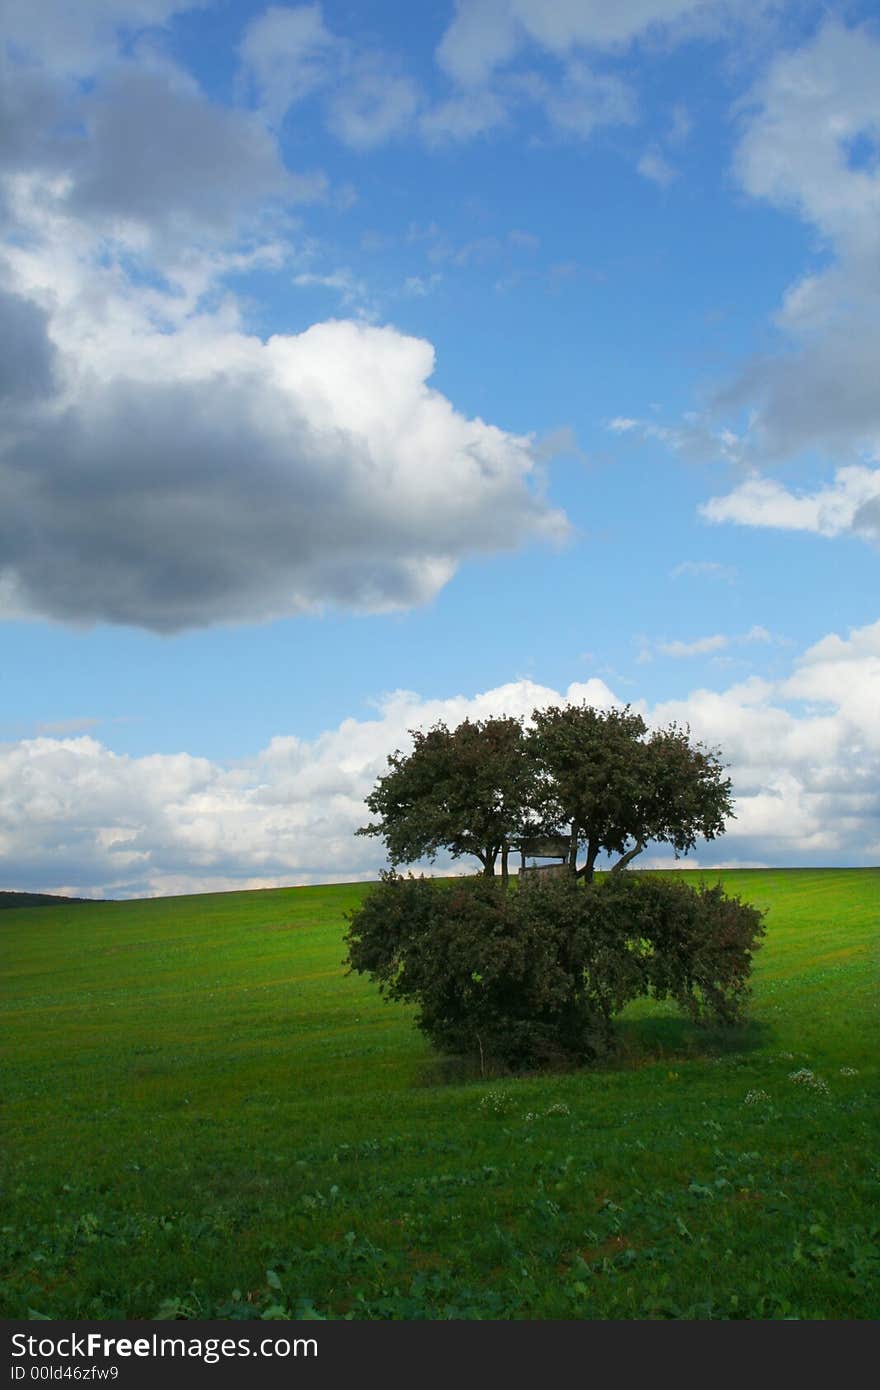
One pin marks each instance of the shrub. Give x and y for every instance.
(535, 977)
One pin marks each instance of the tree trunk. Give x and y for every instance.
(573, 851)
(505, 850)
(625, 858)
(488, 861)
(587, 870)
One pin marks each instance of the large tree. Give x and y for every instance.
(467, 790)
(596, 776)
(612, 790)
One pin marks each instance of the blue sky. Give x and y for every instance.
(372, 364)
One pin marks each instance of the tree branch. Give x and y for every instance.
(625, 858)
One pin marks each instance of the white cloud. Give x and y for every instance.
(801, 128)
(804, 756)
(343, 282)
(139, 155)
(849, 504)
(76, 38)
(694, 438)
(289, 55)
(681, 124)
(581, 99)
(191, 474)
(160, 465)
(465, 115)
(803, 119)
(702, 646)
(705, 569)
(491, 50)
(809, 144)
(656, 168)
(419, 286)
(487, 34)
(372, 105)
(699, 647)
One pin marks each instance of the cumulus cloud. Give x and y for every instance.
(161, 466)
(125, 141)
(804, 755)
(809, 144)
(157, 155)
(802, 125)
(177, 479)
(849, 504)
(28, 373)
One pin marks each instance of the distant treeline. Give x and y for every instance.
(36, 900)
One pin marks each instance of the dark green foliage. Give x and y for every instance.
(614, 790)
(693, 945)
(536, 977)
(594, 777)
(467, 790)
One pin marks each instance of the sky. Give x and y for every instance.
(369, 364)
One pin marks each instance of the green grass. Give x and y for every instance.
(205, 1117)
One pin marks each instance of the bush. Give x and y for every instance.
(535, 977)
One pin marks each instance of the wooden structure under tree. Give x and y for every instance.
(555, 847)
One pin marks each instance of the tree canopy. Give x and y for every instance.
(614, 790)
(469, 790)
(537, 977)
(598, 777)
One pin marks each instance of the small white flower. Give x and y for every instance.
(496, 1102)
(805, 1077)
(756, 1097)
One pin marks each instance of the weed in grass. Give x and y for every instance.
(805, 1077)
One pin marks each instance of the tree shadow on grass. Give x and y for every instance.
(447, 1070)
(639, 1042)
(643, 1041)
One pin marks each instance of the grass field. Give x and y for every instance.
(204, 1117)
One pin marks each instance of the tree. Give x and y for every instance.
(468, 790)
(536, 977)
(612, 790)
(595, 776)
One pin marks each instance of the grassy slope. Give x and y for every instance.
(205, 1117)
